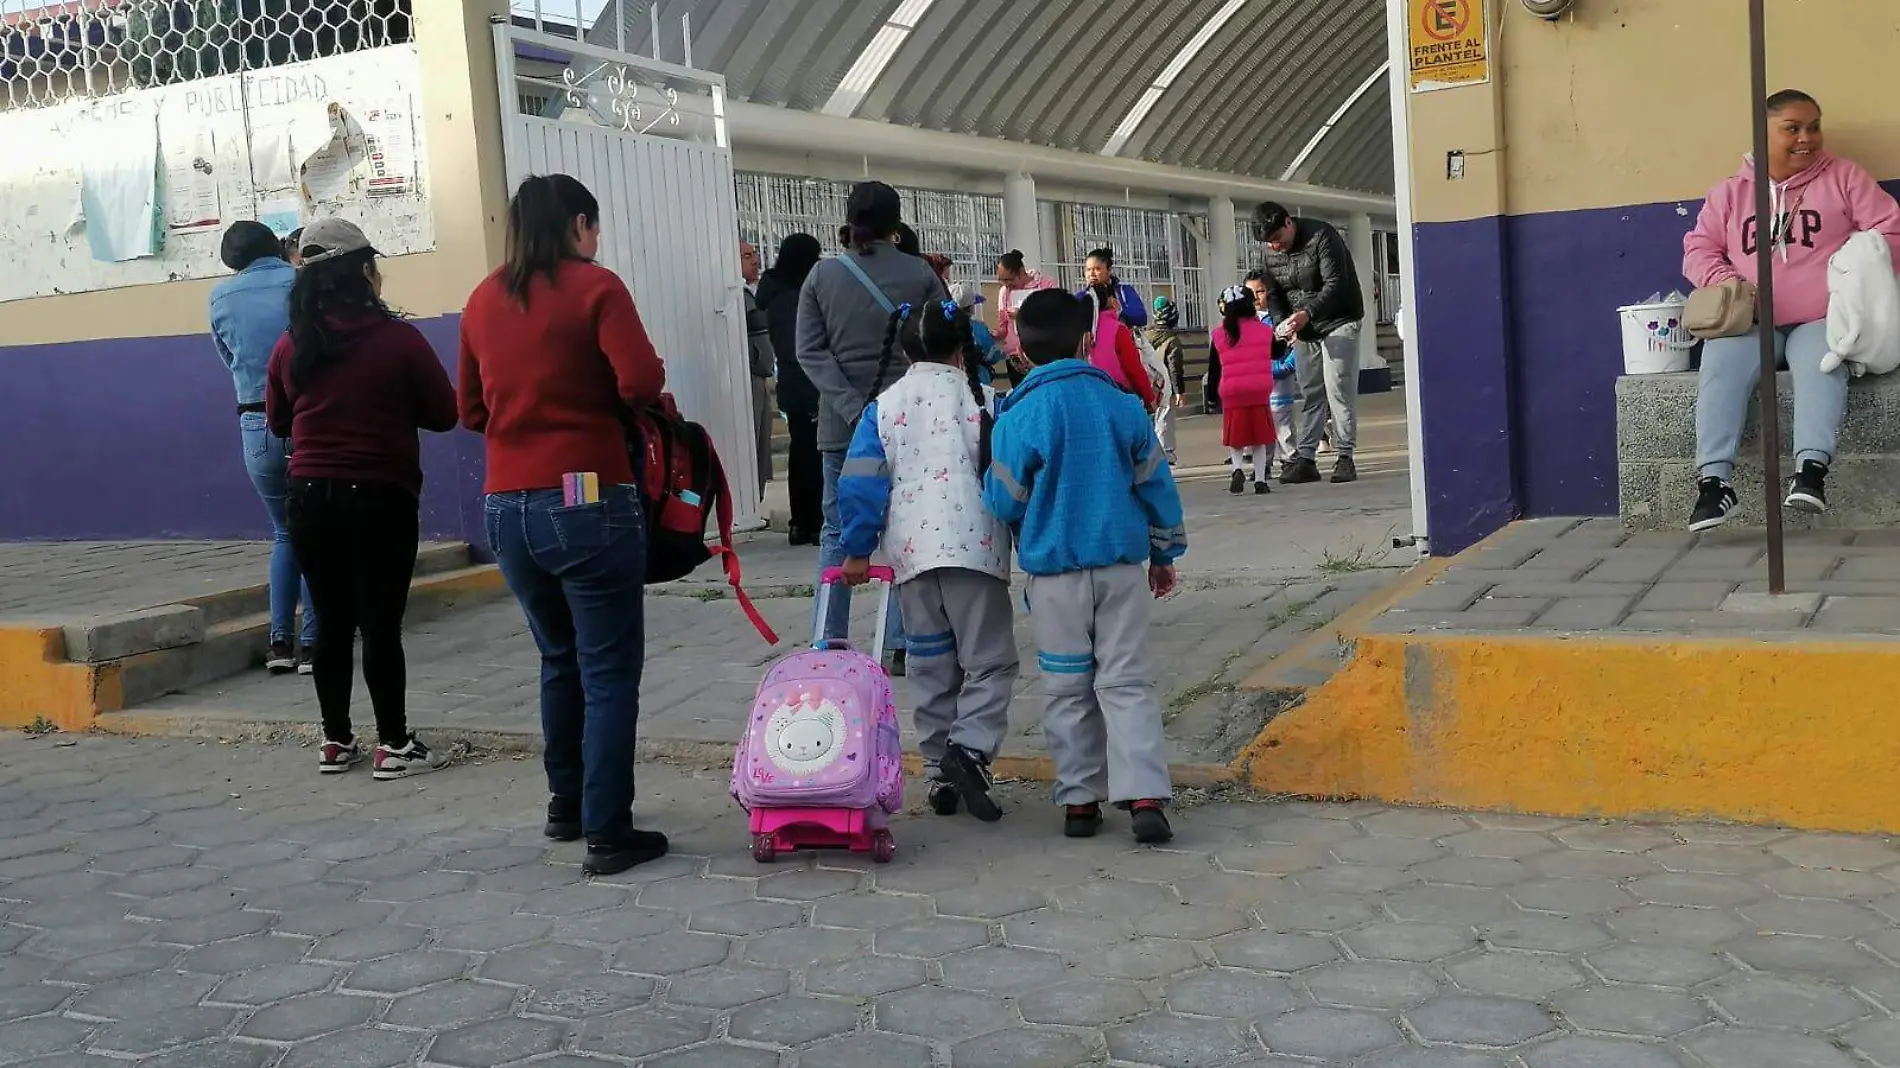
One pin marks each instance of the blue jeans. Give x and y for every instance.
(1731, 368)
(831, 554)
(580, 574)
(267, 461)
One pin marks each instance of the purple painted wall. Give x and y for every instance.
(137, 439)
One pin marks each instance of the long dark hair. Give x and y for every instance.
(942, 332)
(323, 291)
(1232, 313)
(541, 228)
(797, 255)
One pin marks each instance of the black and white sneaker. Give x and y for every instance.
(412, 758)
(281, 660)
(969, 772)
(1715, 499)
(1808, 490)
(335, 758)
(942, 797)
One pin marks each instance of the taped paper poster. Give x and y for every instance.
(192, 200)
(390, 140)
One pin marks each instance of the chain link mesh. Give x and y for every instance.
(54, 52)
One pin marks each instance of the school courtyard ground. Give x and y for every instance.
(186, 892)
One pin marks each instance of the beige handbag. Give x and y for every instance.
(1724, 310)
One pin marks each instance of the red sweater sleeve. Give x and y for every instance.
(1130, 358)
(278, 410)
(468, 381)
(435, 397)
(637, 368)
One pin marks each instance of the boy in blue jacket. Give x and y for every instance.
(1077, 474)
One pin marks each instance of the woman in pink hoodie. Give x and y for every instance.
(1017, 281)
(1819, 202)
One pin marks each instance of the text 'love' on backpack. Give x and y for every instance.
(681, 483)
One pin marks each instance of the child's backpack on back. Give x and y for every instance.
(682, 483)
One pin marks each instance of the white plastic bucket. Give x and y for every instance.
(1654, 339)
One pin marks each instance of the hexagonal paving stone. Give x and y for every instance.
(1517, 974)
(493, 859)
(1352, 879)
(803, 947)
(1713, 859)
(793, 1021)
(931, 938)
(1877, 1040)
(616, 927)
(1506, 845)
(1319, 915)
(273, 982)
(1575, 1051)
(943, 1015)
(404, 972)
(1469, 1020)
(716, 1055)
(451, 1004)
(45, 1035)
(493, 1042)
(1266, 952)
(31, 999)
(1834, 885)
(990, 900)
(1230, 994)
(576, 900)
(117, 964)
(326, 920)
(1693, 888)
(1675, 925)
(808, 885)
(1271, 859)
(144, 1035)
(1064, 932)
(1470, 871)
(694, 893)
(1175, 1042)
(868, 1051)
(1112, 897)
(1388, 852)
(1571, 897)
(672, 953)
(1567, 864)
(453, 910)
(868, 910)
(1845, 851)
(1821, 919)
(1545, 934)
(1630, 1010)
(1416, 942)
(640, 1033)
(137, 996)
(998, 970)
(1370, 984)
(586, 997)
(1415, 823)
(543, 962)
(308, 1017)
(742, 918)
(1770, 1001)
(1331, 1035)
(1450, 904)
(369, 943)
(489, 936)
(725, 988)
(215, 1055)
(1143, 959)
(204, 930)
(1826, 957)
(865, 977)
(1190, 922)
(1019, 1046)
(1738, 1047)
(1304, 830)
(1083, 1003)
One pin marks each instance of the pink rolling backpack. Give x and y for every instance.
(821, 763)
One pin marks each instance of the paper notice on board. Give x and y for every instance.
(192, 203)
(271, 168)
(328, 175)
(390, 136)
(282, 213)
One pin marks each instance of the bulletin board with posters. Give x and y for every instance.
(1448, 43)
(137, 188)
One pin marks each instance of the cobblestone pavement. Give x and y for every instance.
(1591, 574)
(178, 904)
(54, 580)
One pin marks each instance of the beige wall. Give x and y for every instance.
(466, 197)
(1643, 101)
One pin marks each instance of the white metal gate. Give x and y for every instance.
(649, 139)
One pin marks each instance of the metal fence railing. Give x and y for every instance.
(966, 227)
(58, 51)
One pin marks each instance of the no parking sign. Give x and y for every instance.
(1448, 42)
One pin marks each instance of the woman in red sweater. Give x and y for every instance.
(349, 385)
(553, 355)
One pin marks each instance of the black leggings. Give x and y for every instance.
(356, 545)
(805, 472)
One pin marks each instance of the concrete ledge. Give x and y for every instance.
(1605, 727)
(169, 626)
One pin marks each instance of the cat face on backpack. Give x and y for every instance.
(805, 737)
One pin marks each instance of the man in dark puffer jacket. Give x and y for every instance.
(1313, 293)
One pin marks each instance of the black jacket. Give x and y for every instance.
(1315, 275)
(778, 300)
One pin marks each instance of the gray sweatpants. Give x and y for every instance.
(1328, 373)
(962, 660)
(1102, 720)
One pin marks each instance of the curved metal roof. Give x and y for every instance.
(1064, 73)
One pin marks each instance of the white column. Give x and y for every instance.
(1359, 243)
(1020, 229)
(1222, 267)
(1400, 88)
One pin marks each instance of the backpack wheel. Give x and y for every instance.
(883, 847)
(764, 848)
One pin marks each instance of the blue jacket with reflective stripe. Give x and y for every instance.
(1076, 471)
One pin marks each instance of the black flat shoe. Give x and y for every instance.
(612, 858)
(564, 819)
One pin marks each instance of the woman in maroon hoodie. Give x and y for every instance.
(349, 385)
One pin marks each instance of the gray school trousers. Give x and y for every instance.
(962, 661)
(1102, 721)
(1328, 373)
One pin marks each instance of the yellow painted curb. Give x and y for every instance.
(37, 682)
(1789, 733)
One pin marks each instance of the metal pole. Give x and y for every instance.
(1767, 231)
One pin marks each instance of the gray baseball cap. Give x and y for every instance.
(336, 237)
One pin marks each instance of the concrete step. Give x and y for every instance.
(432, 558)
(1655, 446)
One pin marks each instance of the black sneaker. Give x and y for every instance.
(895, 663)
(943, 797)
(1151, 823)
(612, 858)
(281, 660)
(1808, 490)
(564, 819)
(1299, 471)
(307, 660)
(1238, 483)
(1262, 487)
(1082, 821)
(1344, 470)
(969, 772)
(1715, 499)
